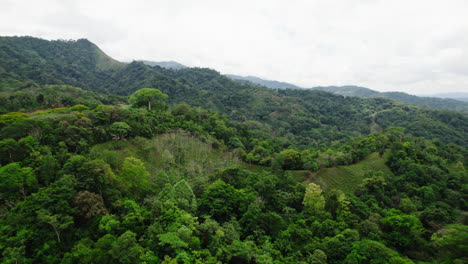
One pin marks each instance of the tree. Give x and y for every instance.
(369, 251)
(125, 249)
(452, 241)
(119, 130)
(134, 176)
(95, 175)
(146, 96)
(90, 204)
(59, 222)
(314, 202)
(289, 159)
(15, 180)
(222, 201)
(184, 196)
(8, 150)
(401, 230)
(318, 257)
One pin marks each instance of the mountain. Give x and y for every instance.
(449, 104)
(443, 101)
(349, 91)
(165, 64)
(300, 117)
(266, 83)
(216, 170)
(78, 63)
(457, 96)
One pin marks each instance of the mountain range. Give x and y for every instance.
(302, 116)
(266, 83)
(110, 162)
(165, 64)
(451, 101)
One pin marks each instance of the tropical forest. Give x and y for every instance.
(103, 161)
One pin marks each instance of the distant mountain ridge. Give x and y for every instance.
(266, 83)
(297, 115)
(165, 64)
(455, 102)
(455, 95)
(356, 91)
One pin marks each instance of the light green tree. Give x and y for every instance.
(134, 176)
(147, 96)
(314, 202)
(15, 180)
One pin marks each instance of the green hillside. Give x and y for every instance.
(441, 103)
(302, 117)
(346, 178)
(172, 157)
(108, 163)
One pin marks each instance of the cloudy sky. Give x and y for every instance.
(416, 46)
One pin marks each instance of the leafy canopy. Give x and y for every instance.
(146, 96)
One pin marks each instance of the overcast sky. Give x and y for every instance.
(416, 46)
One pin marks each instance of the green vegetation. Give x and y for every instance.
(449, 104)
(297, 118)
(347, 178)
(197, 168)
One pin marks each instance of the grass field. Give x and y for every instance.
(344, 178)
(181, 155)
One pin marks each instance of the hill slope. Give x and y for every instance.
(82, 182)
(449, 104)
(457, 96)
(165, 64)
(263, 82)
(300, 117)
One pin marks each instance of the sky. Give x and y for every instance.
(414, 46)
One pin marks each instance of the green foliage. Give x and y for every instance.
(452, 241)
(368, 251)
(401, 230)
(119, 130)
(288, 176)
(16, 181)
(314, 202)
(133, 176)
(146, 97)
(222, 201)
(289, 159)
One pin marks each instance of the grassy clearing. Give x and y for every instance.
(180, 155)
(344, 178)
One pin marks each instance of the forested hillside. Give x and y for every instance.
(105, 162)
(300, 117)
(442, 103)
(266, 83)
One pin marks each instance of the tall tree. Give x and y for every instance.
(134, 176)
(146, 96)
(314, 203)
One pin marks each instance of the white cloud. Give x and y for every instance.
(417, 46)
